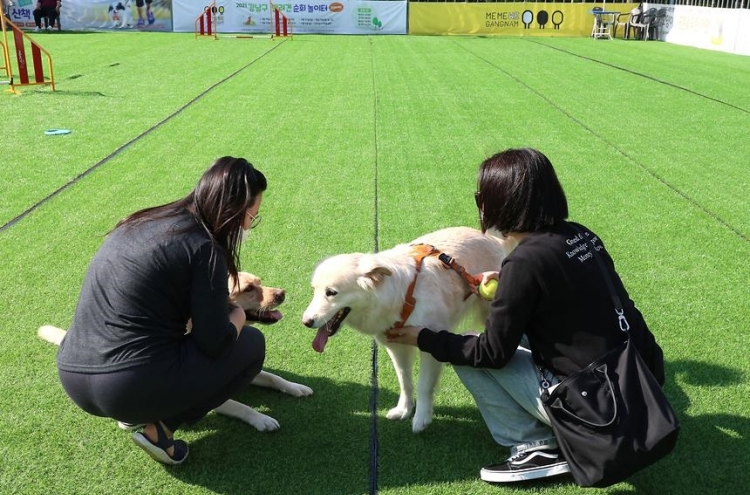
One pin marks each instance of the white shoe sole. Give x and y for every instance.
(522, 475)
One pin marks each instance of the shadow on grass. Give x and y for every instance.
(712, 450)
(322, 446)
(54, 32)
(69, 93)
(709, 457)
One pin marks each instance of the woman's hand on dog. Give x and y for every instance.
(237, 317)
(483, 278)
(403, 335)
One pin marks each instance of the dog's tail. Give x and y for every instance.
(51, 334)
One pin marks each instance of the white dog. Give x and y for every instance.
(368, 290)
(259, 303)
(120, 15)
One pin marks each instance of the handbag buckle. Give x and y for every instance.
(543, 382)
(624, 325)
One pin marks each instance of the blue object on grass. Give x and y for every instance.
(56, 132)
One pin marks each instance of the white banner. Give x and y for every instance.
(726, 30)
(310, 17)
(154, 15)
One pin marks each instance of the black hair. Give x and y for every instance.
(218, 203)
(518, 191)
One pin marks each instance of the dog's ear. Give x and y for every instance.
(373, 277)
(378, 273)
(371, 271)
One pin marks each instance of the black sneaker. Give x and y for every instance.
(526, 466)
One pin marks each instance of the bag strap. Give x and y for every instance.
(624, 325)
(602, 370)
(623, 322)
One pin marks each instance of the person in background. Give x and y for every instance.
(163, 270)
(7, 4)
(552, 307)
(149, 18)
(49, 10)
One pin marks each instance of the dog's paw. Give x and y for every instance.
(261, 422)
(399, 413)
(297, 390)
(419, 423)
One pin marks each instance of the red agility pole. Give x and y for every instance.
(282, 24)
(205, 24)
(37, 52)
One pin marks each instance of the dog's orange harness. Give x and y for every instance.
(421, 251)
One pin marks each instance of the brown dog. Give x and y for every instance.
(259, 303)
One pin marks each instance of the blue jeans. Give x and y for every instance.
(510, 404)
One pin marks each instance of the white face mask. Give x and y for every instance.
(243, 234)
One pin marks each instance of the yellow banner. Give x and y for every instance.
(508, 19)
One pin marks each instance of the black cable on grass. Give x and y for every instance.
(612, 145)
(129, 143)
(374, 377)
(645, 76)
(374, 421)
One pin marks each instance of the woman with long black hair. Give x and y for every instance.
(127, 355)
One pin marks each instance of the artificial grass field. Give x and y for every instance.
(368, 142)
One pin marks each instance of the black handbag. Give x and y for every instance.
(612, 418)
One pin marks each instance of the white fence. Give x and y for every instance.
(721, 29)
(722, 25)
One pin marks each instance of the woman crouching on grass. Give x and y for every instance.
(552, 303)
(126, 355)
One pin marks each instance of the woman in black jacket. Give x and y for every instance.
(552, 307)
(162, 270)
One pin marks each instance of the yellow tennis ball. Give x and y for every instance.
(487, 290)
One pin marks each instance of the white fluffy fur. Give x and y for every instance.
(120, 15)
(374, 287)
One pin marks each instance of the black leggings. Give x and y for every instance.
(49, 13)
(179, 390)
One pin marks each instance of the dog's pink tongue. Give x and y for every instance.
(319, 343)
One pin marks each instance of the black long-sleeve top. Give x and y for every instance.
(140, 289)
(552, 290)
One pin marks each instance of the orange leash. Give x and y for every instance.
(472, 280)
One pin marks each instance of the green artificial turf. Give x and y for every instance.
(368, 142)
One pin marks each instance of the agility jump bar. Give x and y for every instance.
(19, 40)
(205, 24)
(282, 24)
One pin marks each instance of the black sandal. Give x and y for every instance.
(158, 450)
(130, 426)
